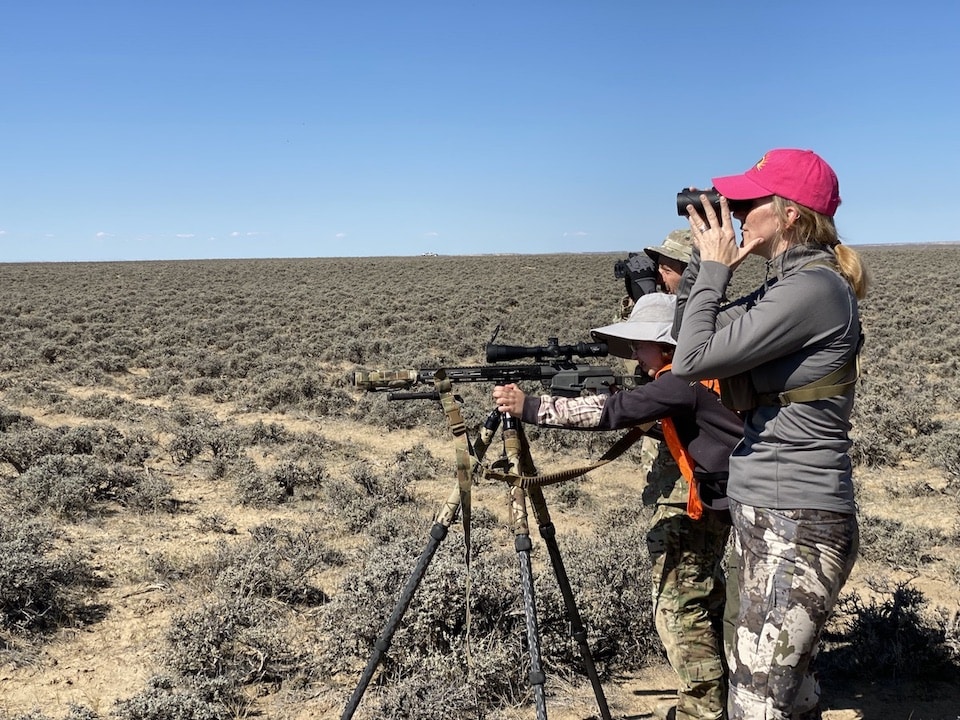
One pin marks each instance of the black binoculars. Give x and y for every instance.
(692, 197)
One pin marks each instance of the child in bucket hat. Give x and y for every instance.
(686, 547)
(651, 320)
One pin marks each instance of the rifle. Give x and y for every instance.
(555, 369)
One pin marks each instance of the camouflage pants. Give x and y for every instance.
(790, 567)
(688, 593)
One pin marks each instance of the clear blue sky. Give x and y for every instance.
(138, 129)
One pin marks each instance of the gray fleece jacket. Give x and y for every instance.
(802, 324)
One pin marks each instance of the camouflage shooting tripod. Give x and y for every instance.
(524, 483)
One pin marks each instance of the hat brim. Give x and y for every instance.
(740, 187)
(619, 336)
(654, 254)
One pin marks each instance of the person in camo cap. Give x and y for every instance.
(685, 555)
(671, 258)
(686, 544)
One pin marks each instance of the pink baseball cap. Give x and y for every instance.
(798, 175)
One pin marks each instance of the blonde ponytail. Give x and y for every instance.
(812, 228)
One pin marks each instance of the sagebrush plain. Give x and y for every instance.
(202, 517)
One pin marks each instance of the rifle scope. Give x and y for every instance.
(502, 353)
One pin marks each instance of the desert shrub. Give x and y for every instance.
(279, 564)
(254, 487)
(879, 434)
(376, 409)
(25, 444)
(291, 475)
(162, 700)
(365, 493)
(215, 523)
(610, 581)
(74, 486)
(102, 406)
(160, 383)
(194, 433)
(416, 463)
(40, 588)
(346, 500)
(609, 574)
(148, 492)
(895, 544)
(214, 387)
(74, 712)
(240, 639)
(261, 433)
(186, 445)
(108, 444)
(945, 453)
(65, 484)
(11, 418)
(431, 635)
(892, 636)
(301, 390)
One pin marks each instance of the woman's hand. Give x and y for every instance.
(509, 399)
(715, 236)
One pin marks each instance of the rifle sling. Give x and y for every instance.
(465, 462)
(528, 481)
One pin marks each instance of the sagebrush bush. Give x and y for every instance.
(41, 588)
(432, 631)
(895, 544)
(275, 563)
(254, 487)
(163, 700)
(609, 575)
(893, 636)
(240, 640)
(76, 486)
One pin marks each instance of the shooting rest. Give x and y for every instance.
(524, 482)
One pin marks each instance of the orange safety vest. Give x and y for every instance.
(682, 456)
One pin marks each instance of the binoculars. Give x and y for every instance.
(692, 197)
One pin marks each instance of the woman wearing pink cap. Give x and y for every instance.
(787, 358)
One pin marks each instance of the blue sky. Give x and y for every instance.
(212, 129)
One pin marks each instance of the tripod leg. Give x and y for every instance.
(578, 632)
(437, 533)
(548, 532)
(523, 546)
(518, 507)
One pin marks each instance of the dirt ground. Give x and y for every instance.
(113, 658)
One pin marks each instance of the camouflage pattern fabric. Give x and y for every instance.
(791, 567)
(623, 313)
(624, 310)
(688, 590)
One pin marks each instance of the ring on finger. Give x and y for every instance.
(703, 228)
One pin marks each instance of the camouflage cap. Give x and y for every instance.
(676, 245)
